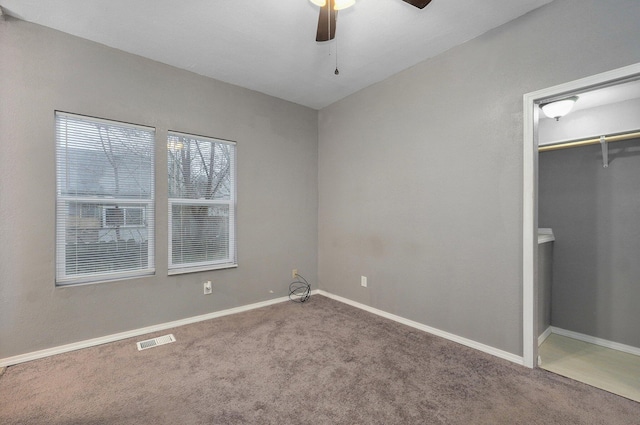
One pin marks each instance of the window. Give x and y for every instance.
(202, 202)
(104, 200)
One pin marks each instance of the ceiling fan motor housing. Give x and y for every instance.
(327, 19)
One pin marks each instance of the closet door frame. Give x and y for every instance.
(531, 113)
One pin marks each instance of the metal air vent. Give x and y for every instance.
(150, 343)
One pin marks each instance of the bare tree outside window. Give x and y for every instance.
(201, 201)
(105, 198)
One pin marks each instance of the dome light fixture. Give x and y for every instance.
(559, 108)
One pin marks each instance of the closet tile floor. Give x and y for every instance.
(610, 370)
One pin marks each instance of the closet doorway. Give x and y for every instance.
(585, 182)
(589, 200)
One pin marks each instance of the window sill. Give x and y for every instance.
(201, 269)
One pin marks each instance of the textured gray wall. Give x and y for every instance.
(594, 213)
(545, 279)
(43, 70)
(420, 175)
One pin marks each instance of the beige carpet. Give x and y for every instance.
(321, 362)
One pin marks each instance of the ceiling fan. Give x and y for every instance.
(327, 19)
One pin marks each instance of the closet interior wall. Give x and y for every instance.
(594, 213)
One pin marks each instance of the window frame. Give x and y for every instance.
(231, 261)
(64, 202)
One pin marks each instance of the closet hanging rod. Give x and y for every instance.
(618, 137)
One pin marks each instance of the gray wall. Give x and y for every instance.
(420, 175)
(419, 178)
(43, 70)
(545, 280)
(594, 213)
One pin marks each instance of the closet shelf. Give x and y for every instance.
(545, 235)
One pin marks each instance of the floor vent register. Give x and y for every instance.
(150, 343)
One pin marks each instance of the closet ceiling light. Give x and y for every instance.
(559, 108)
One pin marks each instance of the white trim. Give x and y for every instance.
(107, 121)
(529, 196)
(451, 337)
(529, 229)
(209, 267)
(203, 202)
(544, 335)
(597, 341)
(198, 137)
(231, 203)
(21, 358)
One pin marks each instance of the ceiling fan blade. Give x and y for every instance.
(326, 23)
(420, 4)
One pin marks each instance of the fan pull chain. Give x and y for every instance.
(336, 71)
(336, 38)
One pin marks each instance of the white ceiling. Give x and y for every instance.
(269, 45)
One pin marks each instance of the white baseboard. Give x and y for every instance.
(21, 358)
(597, 341)
(544, 336)
(452, 337)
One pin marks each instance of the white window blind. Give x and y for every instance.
(104, 200)
(202, 203)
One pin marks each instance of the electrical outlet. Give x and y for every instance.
(294, 273)
(207, 287)
(363, 281)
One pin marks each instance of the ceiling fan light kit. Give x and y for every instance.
(337, 4)
(343, 4)
(327, 19)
